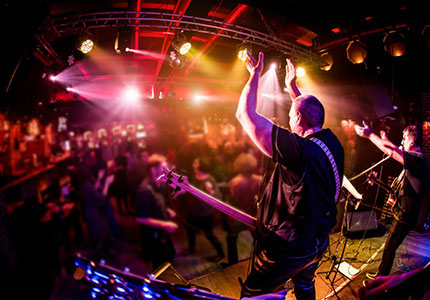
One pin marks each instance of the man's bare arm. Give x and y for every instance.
(382, 142)
(256, 126)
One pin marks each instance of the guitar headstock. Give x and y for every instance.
(172, 179)
(372, 177)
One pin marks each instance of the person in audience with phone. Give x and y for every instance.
(411, 186)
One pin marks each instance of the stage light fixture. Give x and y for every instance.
(181, 43)
(185, 48)
(394, 43)
(241, 50)
(355, 52)
(300, 72)
(86, 46)
(131, 95)
(328, 61)
(176, 61)
(123, 40)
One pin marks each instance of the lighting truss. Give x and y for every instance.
(157, 20)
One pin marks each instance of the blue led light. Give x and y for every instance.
(89, 271)
(126, 269)
(145, 289)
(120, 289)
(147, 296)
(93, 295)
(101, 275)
(95, 280)
(97, 290)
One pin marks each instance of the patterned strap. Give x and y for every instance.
(333, 164)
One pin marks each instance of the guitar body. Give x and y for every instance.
(392, 189)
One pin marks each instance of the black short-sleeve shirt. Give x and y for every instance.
(414, 187)
(298, 204)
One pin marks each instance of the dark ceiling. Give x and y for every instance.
(307, 24)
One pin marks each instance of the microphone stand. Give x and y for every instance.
(368, 169)
(335, 260)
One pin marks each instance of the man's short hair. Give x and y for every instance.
(245, 163)
(311, 109)
(414, 134)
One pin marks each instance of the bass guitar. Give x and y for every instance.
(180, 183)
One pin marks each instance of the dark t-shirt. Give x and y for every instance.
(195, 207)
(413, 189)
(298, 204)
(150, 203)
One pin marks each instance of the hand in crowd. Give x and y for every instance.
(253, 66)
(170, 226)
(290, 73)
(101, 173)
(171, 212)
(363, 131)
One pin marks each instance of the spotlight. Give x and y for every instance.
(185, 48)
(131, 95)
(241, 50)
(300, 72)
(53, 78)
(394, 43)
(86, 46)
(122, 40)
(273, 66)
(355, 52)
(180, 43)
(198, 98)
(328, 59)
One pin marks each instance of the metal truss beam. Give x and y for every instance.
(165, 21)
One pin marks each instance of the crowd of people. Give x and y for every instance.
(106, 175)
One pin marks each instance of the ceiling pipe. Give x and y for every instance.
(231, 18)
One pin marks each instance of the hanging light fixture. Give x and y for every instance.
(394, 43)
(181, 43)
(241, 50)
(85, 42)
(328, 60)
(355, 52)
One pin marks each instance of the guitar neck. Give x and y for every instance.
(221, 206)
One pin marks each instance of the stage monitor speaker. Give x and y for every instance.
(168, 273)
(361, 221)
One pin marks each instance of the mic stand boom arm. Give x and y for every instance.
(367, 170)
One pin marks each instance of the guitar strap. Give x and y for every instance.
(333, 165)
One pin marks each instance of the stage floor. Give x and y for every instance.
(361, 254)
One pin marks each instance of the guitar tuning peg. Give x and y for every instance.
(169, 175)
(177, 189)
(180, 179)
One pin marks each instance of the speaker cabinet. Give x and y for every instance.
(361, 221)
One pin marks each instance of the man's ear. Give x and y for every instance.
(299, 118)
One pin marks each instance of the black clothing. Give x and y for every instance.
(200, 215)
(407, 209)
(298, 203)
(413, 188)
(297, 210)
(157, 245)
